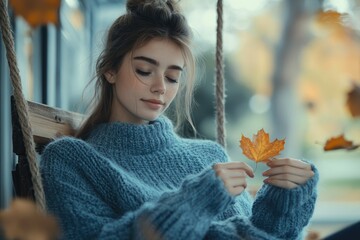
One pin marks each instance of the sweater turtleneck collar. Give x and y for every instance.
(134, 139)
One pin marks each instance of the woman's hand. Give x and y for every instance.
(287, 172)
(233, 175)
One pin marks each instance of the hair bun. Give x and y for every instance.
(142, 7)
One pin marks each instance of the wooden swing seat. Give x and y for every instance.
(47, 123)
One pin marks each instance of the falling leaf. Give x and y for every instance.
(24, 221)
(37, 12)
(260, 148)
(339, 142)
(353, 100)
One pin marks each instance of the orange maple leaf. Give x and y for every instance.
(260, 149)
(339, 142)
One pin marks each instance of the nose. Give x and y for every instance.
(158, 86)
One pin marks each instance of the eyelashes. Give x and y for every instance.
(146, 74)
(142, 73)
(172, 80)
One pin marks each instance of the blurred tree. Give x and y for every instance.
(287, 60)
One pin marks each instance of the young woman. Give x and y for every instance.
(128, 175)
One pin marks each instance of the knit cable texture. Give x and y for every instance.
(131, 181)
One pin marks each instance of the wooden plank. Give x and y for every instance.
(49, 123)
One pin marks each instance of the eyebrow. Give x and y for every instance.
(156, 63)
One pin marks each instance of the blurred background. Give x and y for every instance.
(289, 66)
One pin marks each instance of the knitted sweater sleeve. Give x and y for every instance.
(287, 211)
(76, 183)
(277, 213)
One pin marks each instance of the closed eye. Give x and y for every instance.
(142, 73)
(172, 80)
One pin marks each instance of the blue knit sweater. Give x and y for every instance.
(140, 181)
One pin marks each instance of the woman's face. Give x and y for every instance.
(146, 82)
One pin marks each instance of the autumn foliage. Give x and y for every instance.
(260, 149)
(339, 142)
(353, 100)
(37, 12)
(353, 105)
(24, 221)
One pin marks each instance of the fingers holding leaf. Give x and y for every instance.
(233, 175)
(288, 173)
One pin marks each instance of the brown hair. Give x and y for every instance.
(143, 21)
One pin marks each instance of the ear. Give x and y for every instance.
(110, 77)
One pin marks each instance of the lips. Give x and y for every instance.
(154, 101)
(153, 104)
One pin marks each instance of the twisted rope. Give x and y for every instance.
(22, 107)
(220, 85)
